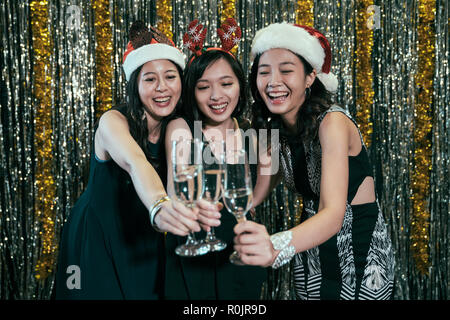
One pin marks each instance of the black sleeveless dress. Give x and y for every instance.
(357, 262)
(108, 242)
(212, 276)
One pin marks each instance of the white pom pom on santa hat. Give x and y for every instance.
(302, 40)
(329, 80)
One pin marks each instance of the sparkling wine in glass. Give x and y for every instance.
(237, 187)
(188, 183)
(213, 168)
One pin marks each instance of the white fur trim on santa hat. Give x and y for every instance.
(329, 80)
(287, 36)
(298, 40)
(150, 52)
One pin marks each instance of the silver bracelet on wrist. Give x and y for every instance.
(280, 241)
(154, 210)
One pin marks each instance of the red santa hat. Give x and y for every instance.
(302, 40)
(146, 45)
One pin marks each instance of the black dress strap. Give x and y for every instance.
(300, 171)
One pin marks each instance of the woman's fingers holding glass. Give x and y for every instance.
(205, 227)
(166, 222)
(255, 253)
(250, 227)
(180, 218)
(188, 216)
(252, 243)
(209, 219)
(253, 259)
(250, 233)
(202, 204)
(189, 213)
(209, 215)
(252, 212)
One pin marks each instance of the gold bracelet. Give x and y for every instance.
(155, 208)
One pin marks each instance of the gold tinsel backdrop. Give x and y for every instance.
(60, 64)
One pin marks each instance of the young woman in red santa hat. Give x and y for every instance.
(109, 249)
(341, 249)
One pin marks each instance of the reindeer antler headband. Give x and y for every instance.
(229, 33)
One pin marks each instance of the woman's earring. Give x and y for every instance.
(308, 92)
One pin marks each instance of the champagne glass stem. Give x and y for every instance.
(240, 216)
(214, 243)
(191, 238)
(210, 234)
(234, 257)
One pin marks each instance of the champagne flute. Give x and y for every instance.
(237, 187)
(188, 186)
(213, 168)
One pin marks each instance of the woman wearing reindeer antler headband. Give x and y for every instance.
(341, 248)
(214, 93)
(109, 249)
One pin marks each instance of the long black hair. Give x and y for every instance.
(315, 104)
(195, 70)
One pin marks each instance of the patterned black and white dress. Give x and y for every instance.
(357, 262)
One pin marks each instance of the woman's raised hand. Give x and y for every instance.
(209, 214)
(176, 218)
(252, 242)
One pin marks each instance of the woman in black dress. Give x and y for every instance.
(109, 249)
(341, 248)
(215, 94)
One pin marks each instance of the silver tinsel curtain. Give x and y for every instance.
(60, 64)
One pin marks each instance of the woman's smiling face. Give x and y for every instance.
(281, 82)
(159, 85)
(217, 92)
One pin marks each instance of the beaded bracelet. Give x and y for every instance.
(154, 210)
(280, 241)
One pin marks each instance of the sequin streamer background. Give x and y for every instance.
(394, 54)
(438, 280)
(421, 167)
(365, 23)
(43, 137)
(164, 13)
(103, 56)
(394, 63)
(19, 231)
